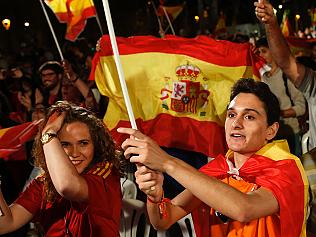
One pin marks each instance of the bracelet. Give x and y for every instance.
(76, 79)
(162, 205)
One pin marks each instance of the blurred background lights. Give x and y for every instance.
(6, 23)
(26, 24)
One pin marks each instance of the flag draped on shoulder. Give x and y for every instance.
(12, 139)
(179, 88)
(73, 12)
(274, 168)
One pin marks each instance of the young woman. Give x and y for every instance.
(78, 193)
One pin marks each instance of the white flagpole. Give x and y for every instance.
(52, 30)
(118, 63)
(168, 19)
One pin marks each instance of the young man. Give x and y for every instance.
(257, 189)
(302, 77)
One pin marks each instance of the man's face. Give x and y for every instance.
(50, 78)
(266, 54)
(246, 126)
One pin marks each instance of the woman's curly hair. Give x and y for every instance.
(104, 146)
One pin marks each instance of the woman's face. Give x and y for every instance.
(76, 140)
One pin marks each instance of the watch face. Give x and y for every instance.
(45, 138)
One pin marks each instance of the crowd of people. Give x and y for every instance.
(258, 188)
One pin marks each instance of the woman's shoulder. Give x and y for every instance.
(102, 169)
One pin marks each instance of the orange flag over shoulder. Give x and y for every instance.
(73, 12)
(179, 88)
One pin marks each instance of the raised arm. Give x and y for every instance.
(211, 191)
(277, 43)
(65, 177)
(12, 217)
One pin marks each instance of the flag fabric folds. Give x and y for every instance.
(179, 88)
(73, 12)
(12, 139)
(274, 168)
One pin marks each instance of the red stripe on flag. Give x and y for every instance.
(186, 133)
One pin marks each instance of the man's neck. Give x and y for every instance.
(55, 90)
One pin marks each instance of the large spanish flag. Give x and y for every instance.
(12, 139)
(73, 12)
(272, 167)
(179, 87)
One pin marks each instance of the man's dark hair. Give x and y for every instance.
(263, 92)
(262, 42)
(51, 65)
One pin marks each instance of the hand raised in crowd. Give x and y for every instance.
(150, 182)
(265, 12)
(144, 150)
(25, 100)
(69, 72)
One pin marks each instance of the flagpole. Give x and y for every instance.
(161, 30)
(168, 19)
(118, 63)
(52, 30)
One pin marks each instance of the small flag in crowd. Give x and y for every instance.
(179, 88)
(73, 12)
(12, 139)
(285, 25)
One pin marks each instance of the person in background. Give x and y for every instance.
(303, 77)
(249, 190)
(79, 192)
(292, 102)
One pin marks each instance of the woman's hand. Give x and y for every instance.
(55, 121)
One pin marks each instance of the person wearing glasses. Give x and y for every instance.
(60, 82)
(257, 189)
(78, 193)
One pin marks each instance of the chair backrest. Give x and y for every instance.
(186, 227)
(305, 139)
(129, 189)
(133, 219)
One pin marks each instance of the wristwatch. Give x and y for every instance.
(47, 137)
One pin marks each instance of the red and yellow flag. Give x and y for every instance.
(285, 25)
(73, 12)
(179, 88)
(274, 168)
(12, 139)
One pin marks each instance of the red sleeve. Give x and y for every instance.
(31, 198)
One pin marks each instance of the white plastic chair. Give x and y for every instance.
(129, 189)
(186, 226)
(305, 139)
(132, 211)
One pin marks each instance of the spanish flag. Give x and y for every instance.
(274, 168)
(73, 12)
(179, 88)
(285, 25)
(12, 139)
